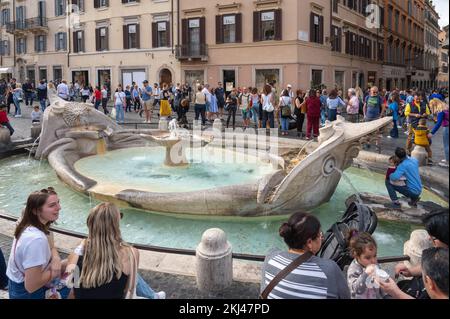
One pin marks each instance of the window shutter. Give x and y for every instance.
(138, 36)
(45, 43)
(126, 44)
(124, 1)
(36, 47)
(311, 28)
(347, 42)
(238, 28)
(57, 48)
(8, 49)
(321, 30)
(339, 40)
(169, 43)
(107, 38)
(154, 35)
(65, 40)
(83, 48)
(75, 42)
(202, 31)
(96, 4)
(185, 31)
(256, 26)
(278, 25)
(219, 29)
(97, 39)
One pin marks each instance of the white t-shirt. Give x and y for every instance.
(207, 94)
(63, 90)
(120, 96)
(85, 92)
(32, 250)
(104, 94)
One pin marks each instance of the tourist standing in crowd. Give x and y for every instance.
(299, 112)
(119, 104)
(394, 108)
(34, 260)
(18, 98)
(165, 110)
(28, 89)
(156, 95)
(97, 97)
(200, 105)
(107, 264)
(334, 102)
(362, 270)
(414, 111)
(409, 168)
(312, 277)
(42, 94)
(323, 107)
(352, 106)
(214, 107)
(63, 90)
(440, 109)
(374, 106)
(146, 96)
(312, 103)
(231, 105)
(128, 98)
(268, 102)
(4, 121)
(244, 105)
(206, 92)
(220, 95)
(105, 99)
(256, 107)
(136, 98)
(285, 109)
(85, 93)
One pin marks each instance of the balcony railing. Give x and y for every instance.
(192, 51)
(33, 24)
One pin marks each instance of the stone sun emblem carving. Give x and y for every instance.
(71, 112)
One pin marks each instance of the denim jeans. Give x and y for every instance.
(97, 104)
(43, 103)
(3, 278)
(445, 138)
(392, 190)
(143, 289)
(332, 114)
(232, 115)
(255, 113)
(18, 291)
(17, 105)
(200, 109)
(268, 116)
(394, 131)
(120, 114)
(323, 116)
(285, 124)
(29, 97)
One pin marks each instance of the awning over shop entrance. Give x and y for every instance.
(6, 70)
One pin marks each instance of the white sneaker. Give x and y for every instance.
(389, 136)
(160, 295)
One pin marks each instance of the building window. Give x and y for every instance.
(60, 41)
(339, 80)
(77, 5)
(131, 36)
(316, 78)
(396, 21)
(229, 28)
(264, 76)
(161, 34)
(60, 7)
(4, 47)
(57, 74)
(5, 17)
(101, 38)
(390, 18)
(316, 28)
(335, 6)
(21, 45)
(20, 17)
(78, 41)
(267, 25)
(40, 43)
(101, 3)
(336, 39)
(130, 1)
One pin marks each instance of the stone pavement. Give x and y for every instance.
(175, 286)
(22, 127)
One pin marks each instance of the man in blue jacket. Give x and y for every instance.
(408, 168)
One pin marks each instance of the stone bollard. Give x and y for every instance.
(420, 154)
(214, 262)
(418, 241)
(35, 130)
(5, 137)
(163, 124)
(217, 125)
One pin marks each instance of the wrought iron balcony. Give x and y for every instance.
(192, 51)
(37, 24)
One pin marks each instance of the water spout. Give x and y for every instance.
(33, 145)
(347, 179)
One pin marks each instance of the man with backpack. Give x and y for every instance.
(244, 105)
(373, 106)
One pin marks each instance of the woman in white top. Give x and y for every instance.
(34, 261)
(119, 104)
(268, 101)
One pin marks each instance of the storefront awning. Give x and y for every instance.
(5, 70)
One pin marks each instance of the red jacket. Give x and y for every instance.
(3, 117)
(313, 106)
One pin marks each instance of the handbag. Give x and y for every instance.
(293, 265)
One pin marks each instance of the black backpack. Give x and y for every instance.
(334, 245)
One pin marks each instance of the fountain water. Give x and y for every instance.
(32, 146)
(348, 180)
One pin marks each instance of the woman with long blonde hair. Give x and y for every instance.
(106, 263)
(440, 109)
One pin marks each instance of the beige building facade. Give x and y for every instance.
(96, 41)
(431, 44)
(302, 43)
(443, 75)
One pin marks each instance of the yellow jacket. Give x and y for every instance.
(421, 135)
(408, 109)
